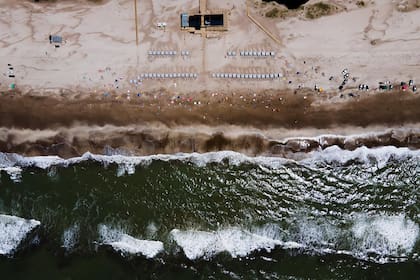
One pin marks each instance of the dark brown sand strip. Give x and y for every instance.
(151, 124)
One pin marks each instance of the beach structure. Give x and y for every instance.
(204, 19)
(55, 39)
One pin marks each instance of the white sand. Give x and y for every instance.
(101, 36)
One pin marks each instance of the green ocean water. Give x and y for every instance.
(338, 215)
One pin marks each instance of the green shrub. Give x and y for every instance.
(274, 12)
(318, 10)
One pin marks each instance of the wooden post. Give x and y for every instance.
(135, 18)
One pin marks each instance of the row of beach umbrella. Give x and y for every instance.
(168, 75)
(247, 76)
(167, 53)
(258, 53)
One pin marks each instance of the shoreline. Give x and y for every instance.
(141, 141)
(271, 123)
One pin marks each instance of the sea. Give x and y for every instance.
(333, 214)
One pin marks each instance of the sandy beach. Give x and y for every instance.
(96, 79)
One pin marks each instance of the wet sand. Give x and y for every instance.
(161, 123)
(262, 110)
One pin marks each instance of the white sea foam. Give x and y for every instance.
(127, 164)
(12, 231)
(70, 237)
(379, 239)
(384, 235)
(315, 235)
(15, 173)
(235, 241)
(380, 156)
(128, 245)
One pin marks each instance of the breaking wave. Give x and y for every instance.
(128, 245)
(379, 238)
(12, 164)
(362, 204)
(14, 230)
